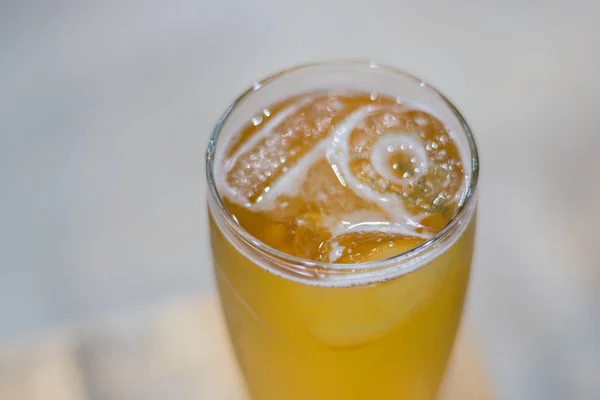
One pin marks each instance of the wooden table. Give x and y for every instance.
(179, 352)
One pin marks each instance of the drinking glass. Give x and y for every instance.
(309, 330)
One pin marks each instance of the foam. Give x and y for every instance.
(366, 221)
(288, 183)
(266, 131)
(395, 142)
(336, 251)
(223, 165)
(460, 143)
(335, 147)
(338, 155)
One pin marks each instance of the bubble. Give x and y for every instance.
(287, 137)
(354, 167)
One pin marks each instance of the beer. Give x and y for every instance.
(341, 269)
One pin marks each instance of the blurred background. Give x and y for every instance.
(106, 108)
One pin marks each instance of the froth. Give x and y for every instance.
(271, 134)
(338, 154)
(266, 130)
(396, 142)
(401, 216)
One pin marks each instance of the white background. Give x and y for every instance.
(106, 108)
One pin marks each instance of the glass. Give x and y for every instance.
(373, 330)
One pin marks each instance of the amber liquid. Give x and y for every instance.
(380, 340)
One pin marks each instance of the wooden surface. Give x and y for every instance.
(179, 352)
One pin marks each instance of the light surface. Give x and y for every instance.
(190, 353)
(106, 109)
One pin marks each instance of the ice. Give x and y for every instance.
(279, 151)
(327, 167)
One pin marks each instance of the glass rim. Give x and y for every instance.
(326, 267)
